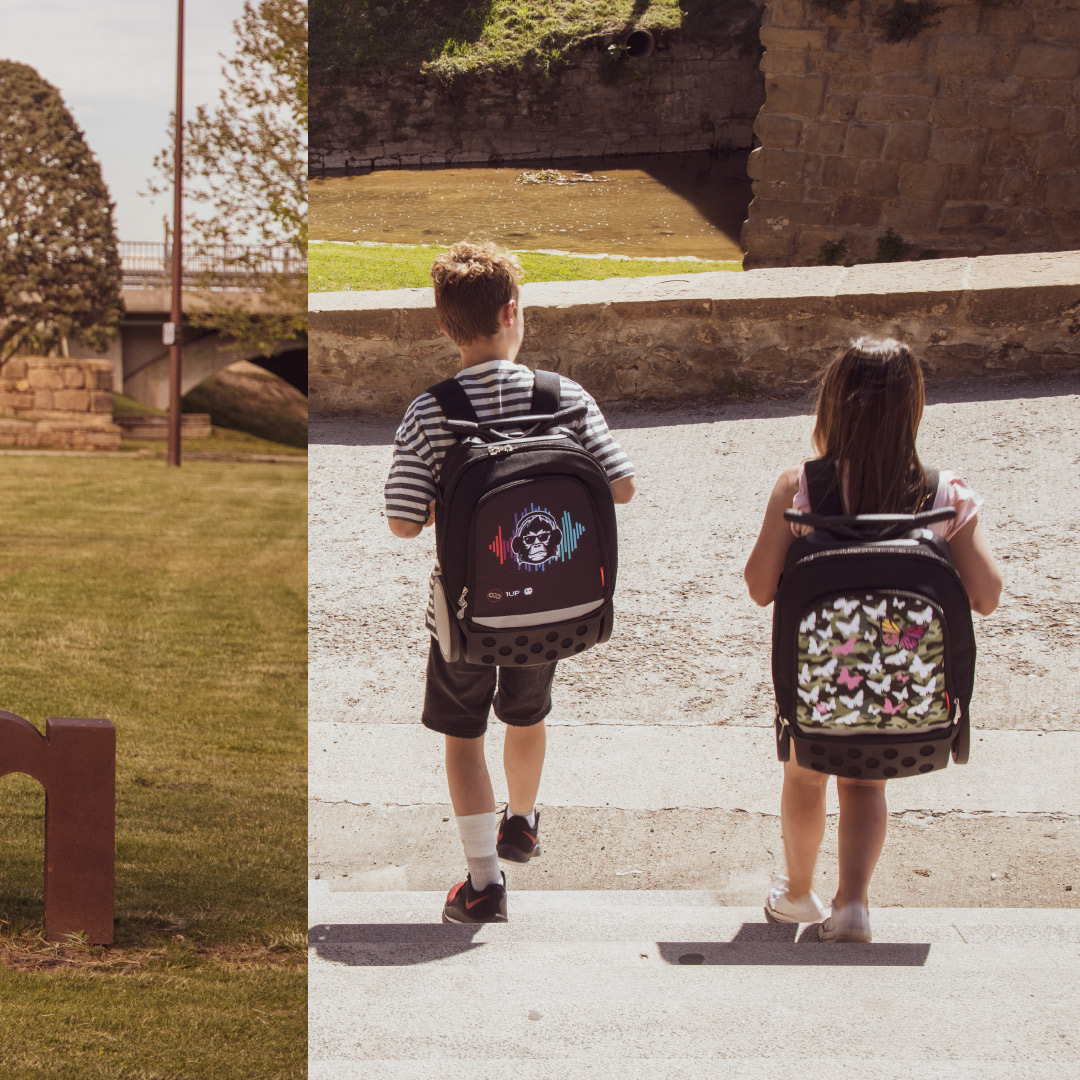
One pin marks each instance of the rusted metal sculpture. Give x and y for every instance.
(75, 762)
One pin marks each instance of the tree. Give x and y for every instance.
(245, 177)
(59, 267)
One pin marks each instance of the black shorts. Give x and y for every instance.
(457, 696)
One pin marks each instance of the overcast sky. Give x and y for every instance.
(114, 63)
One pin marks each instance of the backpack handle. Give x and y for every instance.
(533, 422)
(882, 526)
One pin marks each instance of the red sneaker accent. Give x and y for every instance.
(454, 891)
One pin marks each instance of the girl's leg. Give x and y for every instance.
(802, 820)
(864, 817)
(523, 760)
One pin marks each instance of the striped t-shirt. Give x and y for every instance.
(496, 388)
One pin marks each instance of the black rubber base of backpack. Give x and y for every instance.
(517, 647)
(875, 759)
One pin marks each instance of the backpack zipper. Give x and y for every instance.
(461, 602)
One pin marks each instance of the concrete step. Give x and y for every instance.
(649, 768)
(673, 984)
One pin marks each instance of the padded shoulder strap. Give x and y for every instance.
(932, 479)
(546, 394)
(453, 400)
(823, 488)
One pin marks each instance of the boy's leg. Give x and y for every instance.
(457, 698)
(523, 761)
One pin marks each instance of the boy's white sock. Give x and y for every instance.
(530, 817)
(477, 832)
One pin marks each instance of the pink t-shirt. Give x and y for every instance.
(951, 491)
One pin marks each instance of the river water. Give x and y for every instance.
(657, 205)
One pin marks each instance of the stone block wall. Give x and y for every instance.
(687, 95)
(964, 140)
(57, 403)
(766, 331)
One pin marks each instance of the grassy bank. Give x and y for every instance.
(171, 602)
(335, 267)
(455, 38)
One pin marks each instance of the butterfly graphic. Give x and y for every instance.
(870, 635)
(849, 628)
(825, 632)
(847, 679)
(873, 710)
(852, 702)
(815, 647)
(900, 695)
(848, 605)
(889, 709)
(906, 637)
(920, 709)
(810, 697)
(827, 669)
(922, 617)
(903, 677)
(898, 605)
(897, 658)
(874, 667)
(808, 623)
(919, 669)
(846, 649)
(850, 718)
(822, 708)
(927, 689)
(804, 675)
(880, 687)
(876, 612)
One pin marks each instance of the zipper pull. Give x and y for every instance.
(461, 602)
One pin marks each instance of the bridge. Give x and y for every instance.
(230, 273)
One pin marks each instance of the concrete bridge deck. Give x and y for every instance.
(661, 795)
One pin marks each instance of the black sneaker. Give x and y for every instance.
(465, 905)
(518, 841)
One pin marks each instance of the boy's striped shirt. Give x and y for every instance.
(496, 388)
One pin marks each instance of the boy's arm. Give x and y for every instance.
(595, 436)
(410, 488)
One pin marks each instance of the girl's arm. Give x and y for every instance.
(976, 567)
(766, 561)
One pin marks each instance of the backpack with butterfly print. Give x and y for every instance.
(873, 648)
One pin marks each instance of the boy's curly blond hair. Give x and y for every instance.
(472, 283)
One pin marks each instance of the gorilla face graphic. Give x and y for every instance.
(536, 538)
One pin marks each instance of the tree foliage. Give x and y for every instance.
(59, 267)
(245, 177)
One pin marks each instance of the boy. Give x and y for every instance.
(478, 308)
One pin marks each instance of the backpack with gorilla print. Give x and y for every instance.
(873, 648)
(525, 534)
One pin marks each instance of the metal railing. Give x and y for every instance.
(147, 264)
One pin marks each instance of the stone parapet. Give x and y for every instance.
(964, 140)
(57, 402)
(677, 337)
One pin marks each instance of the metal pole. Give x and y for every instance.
(176, 345)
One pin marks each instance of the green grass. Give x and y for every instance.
(171, 602)
(336, 267)
(454, 37)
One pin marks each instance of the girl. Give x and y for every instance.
(868, 413)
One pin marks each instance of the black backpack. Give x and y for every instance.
(873, 649)
(525, 534)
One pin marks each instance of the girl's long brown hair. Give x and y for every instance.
(868, 415)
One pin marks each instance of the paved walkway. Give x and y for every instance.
(661, 775)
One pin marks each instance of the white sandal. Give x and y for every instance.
(780, 908)
(849, 923)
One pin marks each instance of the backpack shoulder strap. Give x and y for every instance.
(823, 488)
(932, 479)
(453, 400)
(547, 393)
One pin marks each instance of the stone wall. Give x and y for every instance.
(964, 140)
(57, 403)
(688, 95)
(766, 331)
